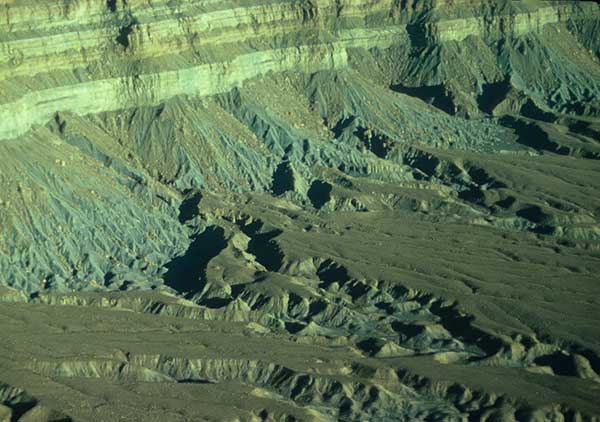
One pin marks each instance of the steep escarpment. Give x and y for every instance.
(399, 198)
(153, 55)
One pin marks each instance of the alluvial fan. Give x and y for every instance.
(299, 210)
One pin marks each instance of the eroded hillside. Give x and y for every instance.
(299, 210)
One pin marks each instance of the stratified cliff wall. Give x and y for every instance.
(90, 57)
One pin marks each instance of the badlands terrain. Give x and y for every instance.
(299, 210)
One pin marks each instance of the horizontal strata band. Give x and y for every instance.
(38, 107)
(27, 51)
(79, 36)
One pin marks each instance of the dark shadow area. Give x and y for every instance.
(108, 277)
(534, 214)
(111, 5)
(330, 272)
(357, 289)
(425, 163)
(187, 273)
(586, 129)
(302, 382)
(561, 364)
(283, 179)
(195, 381)
(385, 307)
(216, 302)
(319, 193)
(343, 124)
(476, 194)
(264, 417)
(530, 110)
(371, 345)
(417, 35)
(407, 331)
(316, 307)
(533, 136)
(537, 216)
(461, 327)
(481, 177)
(251, 229)
(19, 409)
(592, 357)
(61, 124)
(506, 203)
(493, 94)
(436, 95)
(294, 327)
(189, 206)
(266, 250)
(472, 194)
(378, 144)
(578, 108)
(544, 229)
(125, 31)
(262, 246)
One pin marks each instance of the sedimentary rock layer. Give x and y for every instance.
(88, 57)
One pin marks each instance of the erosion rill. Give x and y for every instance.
(301, 210)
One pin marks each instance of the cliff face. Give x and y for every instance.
(389, 184)
(92, 57)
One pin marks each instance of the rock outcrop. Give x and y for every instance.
(89, 57)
